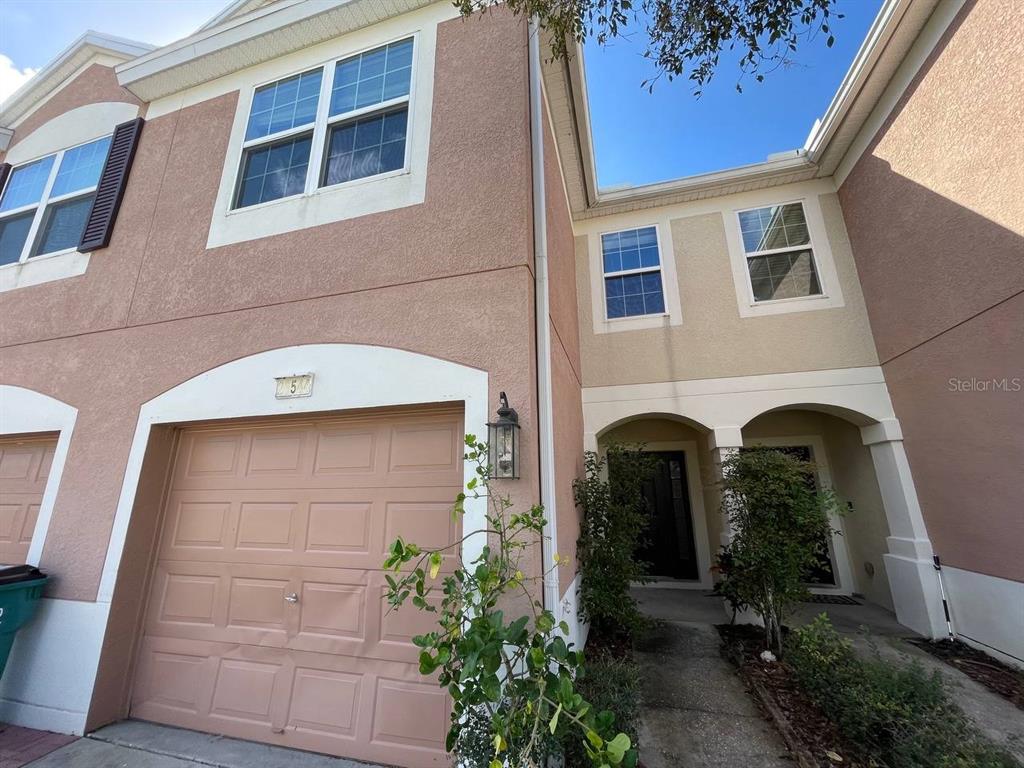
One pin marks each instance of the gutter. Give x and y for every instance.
(542, 303)
(879, 34)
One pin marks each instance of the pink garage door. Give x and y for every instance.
(24, 469)
(265, 619)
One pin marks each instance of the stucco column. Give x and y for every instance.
(908, 563)
(723, 442)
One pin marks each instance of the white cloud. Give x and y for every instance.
(12, 78)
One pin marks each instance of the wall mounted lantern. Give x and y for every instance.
(503, 442)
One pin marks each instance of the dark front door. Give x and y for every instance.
(670, 547)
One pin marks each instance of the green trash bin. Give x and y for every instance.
(21, 586)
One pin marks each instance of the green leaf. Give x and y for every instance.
(553, 724)
(595, 739)
(435, 564)
(617, 747)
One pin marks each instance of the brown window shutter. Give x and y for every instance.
(5, 171)
(110, 190)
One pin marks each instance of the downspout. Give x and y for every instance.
(542, 303)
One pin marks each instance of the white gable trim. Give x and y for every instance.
(63, 68)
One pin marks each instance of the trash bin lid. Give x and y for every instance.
(12, 574)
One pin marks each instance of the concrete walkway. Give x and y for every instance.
(695, 710)
(692, 693)
(135, 744)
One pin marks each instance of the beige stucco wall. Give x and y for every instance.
(935, 214)
(157, 308)
(713, 339)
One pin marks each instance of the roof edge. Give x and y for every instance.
(55, 73)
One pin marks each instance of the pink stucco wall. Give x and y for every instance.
(933, 209)
(446, 278)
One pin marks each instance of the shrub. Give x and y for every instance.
(512, 680)
(896, 715)
(615, 519)
(611, 685)
(780, 524)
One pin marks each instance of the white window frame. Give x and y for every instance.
(830, 295)
(669, 285)
(320, 128)
(339, 202)
(44, 202)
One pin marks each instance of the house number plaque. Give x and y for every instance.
(300, 385)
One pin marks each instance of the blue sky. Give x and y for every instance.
(639, 137)
(642, 137)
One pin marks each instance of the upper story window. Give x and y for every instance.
(46, 203)
(344, 121)
(632, 273)
(779, 253)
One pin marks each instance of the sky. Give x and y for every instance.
(639, 137)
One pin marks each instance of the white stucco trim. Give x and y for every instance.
(697, 512)
(50, 675)
(726, 404)
(74, 127)
(25, 411)
(43, 269)
(988, 612)
(323, 205)
(347, 376)
(845, 584)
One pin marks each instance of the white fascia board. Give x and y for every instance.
(67, 61)
(251, 39)
(228, 12)
(796, 161)
(581, 103)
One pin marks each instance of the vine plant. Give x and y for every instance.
(517, 676)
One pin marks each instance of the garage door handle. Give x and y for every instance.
(291, 598)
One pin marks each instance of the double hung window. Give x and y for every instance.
(343, 121)
(632, 273)
(779, 253)
(46, 203)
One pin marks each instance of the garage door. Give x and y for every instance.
(24, 469)
(265, 619)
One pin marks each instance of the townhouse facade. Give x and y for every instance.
(258, 283)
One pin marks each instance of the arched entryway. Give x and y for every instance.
(842, 420)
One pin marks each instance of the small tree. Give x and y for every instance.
(684, 37)
(779, 526)
(615, 521)
(512, 679)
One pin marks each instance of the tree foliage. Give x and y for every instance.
(512, 677)
(779, 524)
(615, 518)
(684, 37)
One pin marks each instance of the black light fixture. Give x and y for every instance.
(503, 442)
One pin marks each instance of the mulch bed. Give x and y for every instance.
(812, 739)
(979, 666)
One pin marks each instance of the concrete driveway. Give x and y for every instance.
(135, 744)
